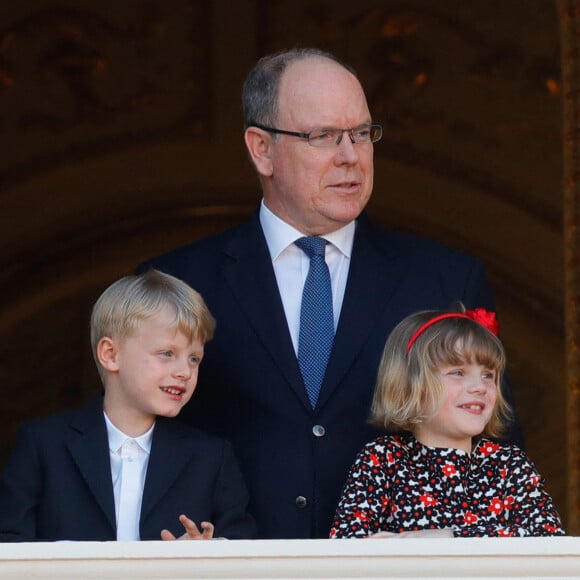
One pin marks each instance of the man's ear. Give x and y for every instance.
(107, 353)
(259, 144)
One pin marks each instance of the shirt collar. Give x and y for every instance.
(117, 437)
(279, 234)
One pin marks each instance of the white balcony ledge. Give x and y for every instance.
(269, 559)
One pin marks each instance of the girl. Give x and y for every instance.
(439, 385)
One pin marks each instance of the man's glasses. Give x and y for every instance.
(331, 137)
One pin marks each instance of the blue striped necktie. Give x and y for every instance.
(316, 318)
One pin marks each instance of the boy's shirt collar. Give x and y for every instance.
(117, 437)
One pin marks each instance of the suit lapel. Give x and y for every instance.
(170, 452)
(250, 276)
(372, 279)
(88, 445)
(371, 282)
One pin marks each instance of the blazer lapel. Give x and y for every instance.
(251, 278)
(371, 281)
(88, 445)
(170, 453)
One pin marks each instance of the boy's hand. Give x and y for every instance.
(191, 531)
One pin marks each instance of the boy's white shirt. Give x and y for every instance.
(129, 459)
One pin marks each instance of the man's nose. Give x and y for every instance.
(347, 151)
(349, 132)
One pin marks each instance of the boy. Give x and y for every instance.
(119, 468)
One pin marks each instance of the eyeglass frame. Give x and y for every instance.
(306, 136)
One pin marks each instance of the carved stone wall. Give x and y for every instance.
(120, 128)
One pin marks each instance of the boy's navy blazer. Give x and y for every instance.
(295, 459)
(57, 484)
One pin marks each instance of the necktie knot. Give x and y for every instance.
(312, 246)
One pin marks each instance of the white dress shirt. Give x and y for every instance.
(291, 265)
(129, 459)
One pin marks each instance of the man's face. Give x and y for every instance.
(318, 190)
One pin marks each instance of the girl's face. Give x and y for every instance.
(470, 397)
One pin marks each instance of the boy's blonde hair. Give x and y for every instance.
(132, 299)
(408, 390)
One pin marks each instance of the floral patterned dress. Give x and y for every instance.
(397, 484)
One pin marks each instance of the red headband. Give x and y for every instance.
(479, 315)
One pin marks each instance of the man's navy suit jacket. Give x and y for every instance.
(57, 484)
(295, 460)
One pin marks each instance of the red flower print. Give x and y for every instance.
(470, 518)
(362, 516)
(428, 500)
(489, 448)
(535, 480)
(449, 469)
(550, 528)
(374, 459)
(508, 502)
(503, 473)
(503, 533)
(496, 506)
(390, 457)
(385, 501)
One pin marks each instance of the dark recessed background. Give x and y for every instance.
(121, 136)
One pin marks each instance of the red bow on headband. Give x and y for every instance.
(485, 318)
(482, 316)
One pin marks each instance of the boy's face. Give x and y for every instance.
(151, 372)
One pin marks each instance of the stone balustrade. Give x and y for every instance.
(529, 558)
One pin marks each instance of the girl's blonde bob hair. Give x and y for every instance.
(133, 299)
(408, 390)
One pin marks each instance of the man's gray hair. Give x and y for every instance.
(260, 90)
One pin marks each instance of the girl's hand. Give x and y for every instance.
(191, 531)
